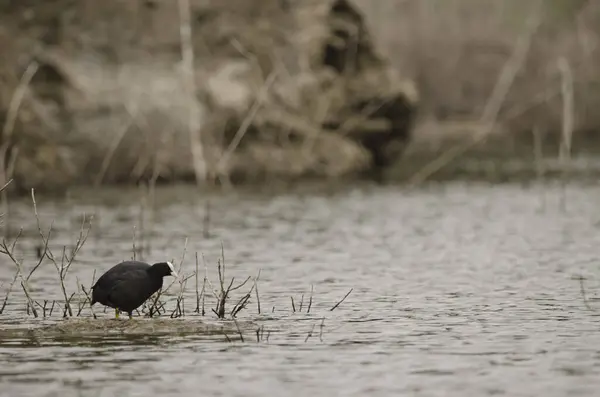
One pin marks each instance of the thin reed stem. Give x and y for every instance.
(206, 221)
(8, 291)
(256, 291)
(197, 310)
(340, 302)
(310, 333)
(321, 329)
(239, 330)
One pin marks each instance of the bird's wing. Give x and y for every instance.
(121, 271)
(115, 276)
(121, 291)
(125, 290)
(117, 279)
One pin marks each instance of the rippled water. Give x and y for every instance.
(458, 289)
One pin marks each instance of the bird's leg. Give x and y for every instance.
(116, 313)
(130, 315)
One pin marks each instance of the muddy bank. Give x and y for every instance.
(100, 93)
(85, 328)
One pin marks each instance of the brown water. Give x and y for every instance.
(458, 289)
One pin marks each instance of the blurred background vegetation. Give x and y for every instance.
(97, 92)
(456, 49)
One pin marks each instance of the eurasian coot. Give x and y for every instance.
(127, 285)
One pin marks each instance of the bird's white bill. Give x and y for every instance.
(173, 272)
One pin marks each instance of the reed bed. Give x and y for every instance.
(192, 296)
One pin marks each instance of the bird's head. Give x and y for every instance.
(164, 269)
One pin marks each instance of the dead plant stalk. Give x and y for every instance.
(187, 54)
(223, 293)
(343, 299)
(179, 310)
(66, 260)
(538, 154)
(583, 294)
(568, 116)
(197, 310)
(246, 123)
(8, 291)
(494, 103)
(114, 145)
(5, 185)
(9, 251)
(256, 290)
(7, 165)
(156, 301)
(243, 302)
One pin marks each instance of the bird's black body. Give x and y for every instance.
(127, 285)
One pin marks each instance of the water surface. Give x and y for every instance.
(458, 289)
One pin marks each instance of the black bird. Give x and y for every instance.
(127, 285)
